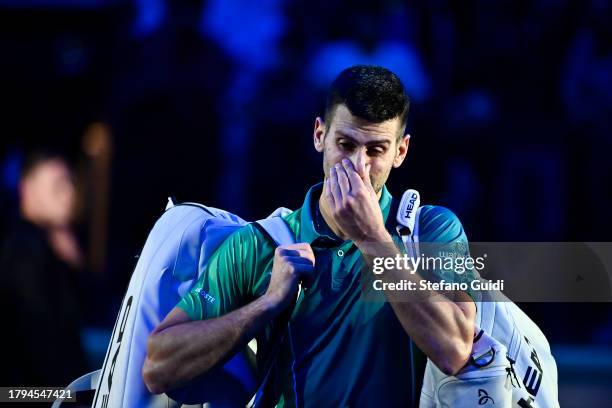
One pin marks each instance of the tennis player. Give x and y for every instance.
(341, 349)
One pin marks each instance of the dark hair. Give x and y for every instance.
(36, 157)
(369, 92)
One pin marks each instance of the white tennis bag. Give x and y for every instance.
(511, 363)
(174, 256)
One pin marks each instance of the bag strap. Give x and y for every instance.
(408, 213)
(407, 218)
(277, 230)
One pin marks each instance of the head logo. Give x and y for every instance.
(410, 205)
(483, 397)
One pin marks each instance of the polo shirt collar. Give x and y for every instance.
(308, 230)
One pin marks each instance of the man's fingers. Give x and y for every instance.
(300, 265)
(297, 257)
(290, 252)
(303, 267)
(352, 174)
(298, 260)
(298, 245)
(327, 191)
(305, 272)
(334, 186)
(343, 180)
(301, 250)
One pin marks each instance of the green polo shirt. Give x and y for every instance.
(341, 350)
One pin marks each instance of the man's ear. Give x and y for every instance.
(402, 150)
(319, 134)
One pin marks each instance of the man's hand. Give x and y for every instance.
(292, 264)
(354, 204)
(179, 349)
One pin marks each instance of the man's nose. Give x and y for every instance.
(359, 158)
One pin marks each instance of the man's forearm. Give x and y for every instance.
(179, 353)
(442, 328)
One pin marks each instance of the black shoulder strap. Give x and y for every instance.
(277, 230)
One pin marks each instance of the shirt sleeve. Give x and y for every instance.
(444, 248)
(224, 284)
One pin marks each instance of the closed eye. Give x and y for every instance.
(376, 150)
(347, 146)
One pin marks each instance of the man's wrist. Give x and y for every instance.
(375, 239)
(269, 305)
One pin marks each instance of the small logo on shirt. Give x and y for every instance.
(460, 247)
(484, 398)
(205, 295)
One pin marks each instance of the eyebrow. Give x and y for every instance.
(370, 143)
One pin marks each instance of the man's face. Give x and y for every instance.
(378, 147)
(50, 192)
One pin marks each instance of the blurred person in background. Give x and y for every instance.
(39, 259)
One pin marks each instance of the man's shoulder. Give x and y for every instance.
(293, 220)
(438, 223)
(244, 237)
(249, 236)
